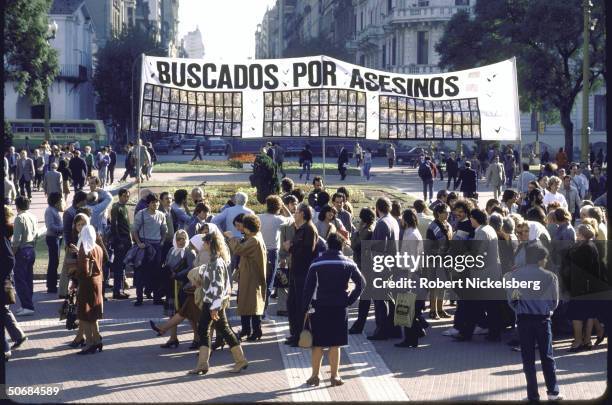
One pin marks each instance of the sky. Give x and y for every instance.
(227, 26)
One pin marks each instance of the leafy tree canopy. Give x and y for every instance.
(113, 75)
(29, 61)
(546, 38)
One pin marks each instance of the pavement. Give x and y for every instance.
(132, 367)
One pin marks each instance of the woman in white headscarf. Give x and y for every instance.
(203, 256)
(90, 294)
(181, 303)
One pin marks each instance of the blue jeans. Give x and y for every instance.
(53, 244)
(535, 329)
(272, 254)
(24, 275)
(306, 169)
(428, 183)
(366, 170)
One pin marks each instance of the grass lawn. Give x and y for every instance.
(206, 166)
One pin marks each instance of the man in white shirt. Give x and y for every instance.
(554, 183)
(579, 181)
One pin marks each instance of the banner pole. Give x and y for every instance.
(323, 146)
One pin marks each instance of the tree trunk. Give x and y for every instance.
(568, 129)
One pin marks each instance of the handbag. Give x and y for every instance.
(9, 293)
(281, 278)
(404, 309)
(71, 312)
(305, 340)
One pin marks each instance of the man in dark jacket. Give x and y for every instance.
(452, 169)
(78, 168)
(113, 163)
(303, 251)
(427, 174)
(386, 232)
(467, 181)
(343, 160)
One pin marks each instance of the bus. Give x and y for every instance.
(30, 133)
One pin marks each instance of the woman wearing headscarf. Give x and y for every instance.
(181, 302)
(441, 233)
(90, 292)
(217, 287)
(251, 276)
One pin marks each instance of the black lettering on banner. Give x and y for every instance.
(163, 70)
(315, 73)
(371, 82)
(450, 82)
(399, 85)
(409, 91)
(225, 78)
(356, 80)
(241, 77)
(421, 88)
(270, 71)
(194, 80)
(208, 68)
(436, 87)
(255, 77)
(384, 82)
(175, 80)
(299, 70)
(329, 73)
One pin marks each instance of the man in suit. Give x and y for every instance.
(467, 182)
(25, 173)
(452, 169)
(111, 166)
(78, 168)
(386, 233)
(496, 176)
(12, 158)
(53, 180)
(487, 300)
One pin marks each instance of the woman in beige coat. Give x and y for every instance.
(252, 276)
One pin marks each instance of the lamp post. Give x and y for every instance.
(586, 76)
(51, 32)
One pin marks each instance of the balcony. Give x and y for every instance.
(74, 73)
(414, 69)
(423, 14)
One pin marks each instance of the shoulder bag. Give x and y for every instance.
(9, 293)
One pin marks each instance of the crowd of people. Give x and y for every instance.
(299, 253)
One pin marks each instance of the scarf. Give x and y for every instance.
(175, 249)
(87, 239)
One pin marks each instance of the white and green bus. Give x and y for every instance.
(30, 133)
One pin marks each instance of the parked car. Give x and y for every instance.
(188, 146)
(173, 140)
(408, 156)
(162, 146)
(216, 145)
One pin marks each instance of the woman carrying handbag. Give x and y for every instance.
(326, 291)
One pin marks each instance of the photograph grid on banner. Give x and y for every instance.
(315, 112)
(415, 118)
(203, 113)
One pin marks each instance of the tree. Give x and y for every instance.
(546, 38)
(113, 75)
(29, 61)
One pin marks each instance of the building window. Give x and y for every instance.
(389, 6)
(38, 111)
(384, 56)
(422, 47)
(462, 2)
(361, 23)
(423, 3)
(599, 113)
(394, 51)
(362, 60)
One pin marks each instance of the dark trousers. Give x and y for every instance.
(197, 154)
(383, 313)
(454, 177)
(221, 326)
(342, 171)
(25, 186)
(412, 334)
(148, 276)
(391, 161)
(295, 306)
(111, 174)
(281, 169)
(38, 180)
(164, 281)
(120, 248)
(427, 184)
(24, 275)
(53, 244)
(362, 314)
(250, 323)
(78, 183)
(441, 173)
(11, 325)
(536, 329)
(472, 311)
(270, 273)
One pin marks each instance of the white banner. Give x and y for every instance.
(324, 97)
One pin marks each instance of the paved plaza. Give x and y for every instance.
(132, 367)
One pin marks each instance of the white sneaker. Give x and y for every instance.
(24, 312)
(450, 332)
(480, 331)
(557, 397)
